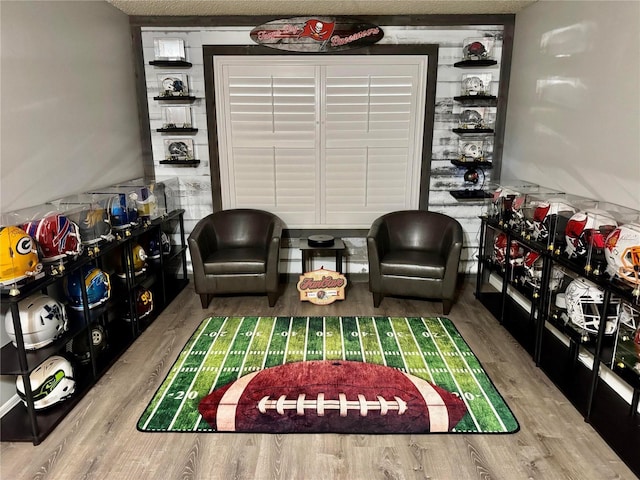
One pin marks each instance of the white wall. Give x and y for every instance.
(573, 120)
(69, 119)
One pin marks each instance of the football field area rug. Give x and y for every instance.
(327, 374)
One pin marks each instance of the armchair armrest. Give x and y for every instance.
(273, 256)
(202, 242)
(377, 246)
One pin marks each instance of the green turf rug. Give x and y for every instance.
(327, 374)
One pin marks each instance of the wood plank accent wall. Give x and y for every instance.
(448, 32)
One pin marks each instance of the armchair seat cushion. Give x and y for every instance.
(413, 263)
(236, 261)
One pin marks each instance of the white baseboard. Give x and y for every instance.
(9, 404)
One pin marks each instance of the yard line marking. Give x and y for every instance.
(422, 353)
(163, 396)
(195, 377)
(286, 347)
(267, 350)
(395, 337)
(384, 359)
(484, 393)
(473, 417)
(177, 370)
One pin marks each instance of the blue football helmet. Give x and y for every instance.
(96, 282)
(155, 250)
(121, 213)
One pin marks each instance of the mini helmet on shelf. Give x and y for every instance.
(584, 302)
(473, 85)
(121, 214)
(622, 252)
(146, 203)
(472, 150)
(56, 235)
(94, 225)
(533, 263)
(139, 261)
(144, 304)
(547, 215)
(474, 50)
(154, 249)
(516, 251)
(18, 256)
(470, 117)
(51, 382)
(42, 320)
(96, 283)
(587, 229)
(80, 347)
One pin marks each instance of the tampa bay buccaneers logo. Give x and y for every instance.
(317, 30)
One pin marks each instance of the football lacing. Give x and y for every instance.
(320, 405)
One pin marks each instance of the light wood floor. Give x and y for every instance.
(99, 440)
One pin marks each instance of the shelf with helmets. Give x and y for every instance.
(475, 108)
(561, 272)
(81, 278)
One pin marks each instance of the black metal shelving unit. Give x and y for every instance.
(167, 278)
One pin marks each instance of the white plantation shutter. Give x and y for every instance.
(320, 141)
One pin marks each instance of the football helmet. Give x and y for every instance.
(470, 119)
(472, 150)
(139, 261)
(51, 382)
(474, 50)
(516, 251)
(146, 203)
(584, 302)
(548, 216)
(94, 225)
(56, 235)
(144, 304)
(473, 85)
(42, 320)
(587, 229)
(629, 316)
(154, 249)
(622, 252)
(96, 282)
(80, 347)
(533, 263)
(122, 215)
(18, 256)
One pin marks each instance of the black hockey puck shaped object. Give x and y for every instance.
(320, 240)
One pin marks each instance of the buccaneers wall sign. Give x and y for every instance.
(322, 287)
(316, 34)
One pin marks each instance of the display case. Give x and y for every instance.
(580, 324)
(76, 319)
(477, 52)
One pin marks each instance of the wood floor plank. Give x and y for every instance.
(99, 440)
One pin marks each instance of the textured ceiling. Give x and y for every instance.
(317, 7)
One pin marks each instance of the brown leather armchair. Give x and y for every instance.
(236, 251)
(414, 253)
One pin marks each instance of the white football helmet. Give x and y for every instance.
(584, 302)
(473, 85)
(622, 251)
(51, 382)
(42, 320)
(472, 150)
(587, 229)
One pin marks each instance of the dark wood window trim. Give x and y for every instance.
(392, 50)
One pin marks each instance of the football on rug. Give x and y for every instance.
(327, 375)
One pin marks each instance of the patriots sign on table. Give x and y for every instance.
(327, 374)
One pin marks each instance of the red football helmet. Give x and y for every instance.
(56, 235)
(587, 229)
(516, 251)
